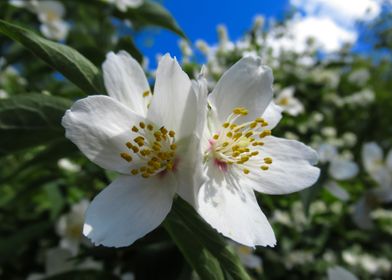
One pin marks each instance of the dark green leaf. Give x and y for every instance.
(64, 59)
(209, 238)
(152, 13)
(206, 265)
(83, 275)
(17, 241)
(30, 120)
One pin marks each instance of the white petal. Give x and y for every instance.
(340, 273)
(233, 211)
(126, 82)
(272, 114)
(291, 169)
(49, 10)
(327, 152)
(129, 208)
(100, 127)
(372, 156)
(175, 101)
(342, 169)
(361, 214)
(337, 191)
(248, 83)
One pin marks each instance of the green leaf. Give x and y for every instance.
(202, 261)
(83, 275)
(152, 13)
(199, 231)
(69, 62)
(12, 245)
(30, 120)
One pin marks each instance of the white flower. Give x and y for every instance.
(68, 165)
(378, 168)
(50, 14)
(3, 94)
(248, 257)
(149, 140)
(340, 273)
(288, 102)
(339, 169)
(123, 5)
(241, 156)
(69, 227)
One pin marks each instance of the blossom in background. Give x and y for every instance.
(150, 140)
(50, 14)
(379, 169)
(241, 156)
(59, 260)
(3, 94)
(68, 165)
(285, 99)
(339, 168)
(248, 257)
(340, 273)
(123, 5)
(70, 225)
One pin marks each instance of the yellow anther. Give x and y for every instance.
(264, 123)
(134, 171)
(225, 144)
(145, 175)
(235, 148)
(244, 112)
(264, 167)
(163, 130)
(229, 134)
(236, 154)
(253, 125)
(139, 139)
(143, 169)
(216, 136)
(233, 125)
(146, 93)
(126, 156)
(169, 165)
(251, 139)
(265, 133)
(246, 171)
(173, 146)
(135, 149)
(150, 127)
(226, 125)
(249, 134)
(172, 133)
(135, 129)
(259, 120)
(268, 160)
(142, 125)
(157, 134)
(237, 135)
(244, 158)
(255, 153)
(129, 145)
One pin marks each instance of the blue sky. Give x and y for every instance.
(199, 19)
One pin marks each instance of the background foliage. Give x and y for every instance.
(346, 99)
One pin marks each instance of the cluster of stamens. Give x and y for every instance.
(236, 144)
(155, 147)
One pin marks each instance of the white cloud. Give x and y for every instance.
(331, 22)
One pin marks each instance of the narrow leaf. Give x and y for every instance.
(30, 120)
(152, 13)
(210, 239)
(69, 62)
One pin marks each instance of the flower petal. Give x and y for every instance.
(129, 208)
(340, 273)
(272, 114)
(100, 127)
(126, 82)
(342, 169)
(248, 83)
(233, 211)
(372, 156)
(174, 104)
(337, 191)
(291, 169)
